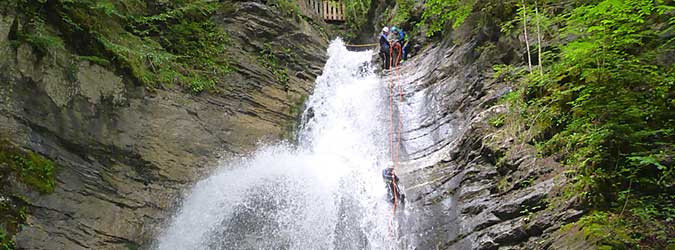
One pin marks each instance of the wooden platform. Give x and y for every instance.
(330, 11)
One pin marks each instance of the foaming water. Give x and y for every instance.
(325, 193)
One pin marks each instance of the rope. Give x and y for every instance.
(394, 153)
(361, 45)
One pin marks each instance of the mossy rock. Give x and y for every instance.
(31, 168)
(12, 215)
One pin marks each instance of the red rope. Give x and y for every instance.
(394, 153)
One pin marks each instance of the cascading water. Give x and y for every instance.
(325, 193)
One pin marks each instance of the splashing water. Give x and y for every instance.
(325, 193)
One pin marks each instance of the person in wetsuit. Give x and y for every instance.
(402, 41)
(384, 48)
(391, 182)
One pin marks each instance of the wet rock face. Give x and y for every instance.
(469, 188)
(124, 153)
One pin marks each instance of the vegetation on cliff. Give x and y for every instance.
(29, 167)
(595, 91)
(25, 167)
(602, 101)
(155, 43)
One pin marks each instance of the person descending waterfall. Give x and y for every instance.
(391, 181)
(402, 41)
(384, 48)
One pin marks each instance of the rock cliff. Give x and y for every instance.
(472, 185)
(124, 152)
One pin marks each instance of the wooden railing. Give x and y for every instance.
(329, 10)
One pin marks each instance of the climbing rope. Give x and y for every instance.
(361, 45)
(394, 151)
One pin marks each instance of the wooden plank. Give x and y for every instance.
(325, 9)
(339, 10)
(335, 14)
(329, 10)
(332, 11)
(344, 14)
(341, 6)
(317, 7)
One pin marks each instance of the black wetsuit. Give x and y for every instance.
(391, 181)
(384, 51)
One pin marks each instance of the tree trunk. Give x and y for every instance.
(527, 42)
(536, 10)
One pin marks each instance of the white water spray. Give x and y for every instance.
(327, 193)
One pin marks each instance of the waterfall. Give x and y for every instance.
(324, 193)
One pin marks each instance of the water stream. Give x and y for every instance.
(324, 193)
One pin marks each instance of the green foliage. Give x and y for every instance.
(12, 216)
(604, 102)
(271, 61)
(289, 8)
(403, 11)
(95, 59)
(155, 43)
(623, 231)
(606, 230)
(614, 110)
(509, 73)
(6, 241)
(31, 168)
(497, 121)
(438, 13)
(36, 34)
(356, 14)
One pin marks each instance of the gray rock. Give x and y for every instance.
(530, 200)
(126, 154)
(464, 199)
(96, 83)
(508, 233)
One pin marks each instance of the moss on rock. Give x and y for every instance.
(30, 168)
(155, 43)
(12, 216)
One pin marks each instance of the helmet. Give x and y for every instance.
(385, 30)
(394, 29)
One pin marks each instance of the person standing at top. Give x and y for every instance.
(402, 40)
(384, 48)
